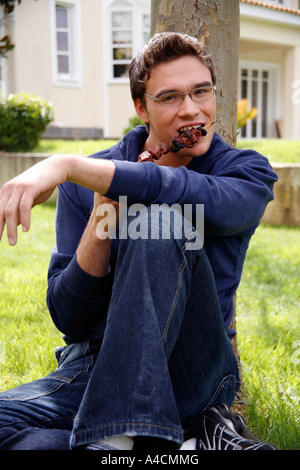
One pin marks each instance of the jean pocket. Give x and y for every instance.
(51, 383)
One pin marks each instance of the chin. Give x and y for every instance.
(199, 149)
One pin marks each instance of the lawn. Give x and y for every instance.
(277, 150)
(27, 335)
(268, 322)
(77, 147)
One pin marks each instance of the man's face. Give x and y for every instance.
(182, 75)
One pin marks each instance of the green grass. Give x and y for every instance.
(77, 147)
(268, 322)
(276, 150)
(27, 334)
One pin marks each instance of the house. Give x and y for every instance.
(75, 53)
(269, 66)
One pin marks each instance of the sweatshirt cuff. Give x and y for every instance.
(129, 179)
(84, 285)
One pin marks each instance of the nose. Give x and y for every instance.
(188, 106)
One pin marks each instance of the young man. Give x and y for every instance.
(145, 315)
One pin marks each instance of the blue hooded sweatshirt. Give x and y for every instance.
(233, 185)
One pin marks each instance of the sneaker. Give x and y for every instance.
(220, 429)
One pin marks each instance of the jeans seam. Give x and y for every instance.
(33, 397)
(63, 380)
(228, 378)
(179, 284)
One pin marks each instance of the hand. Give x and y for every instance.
(107, 214)
(35, 185)
(32, 187)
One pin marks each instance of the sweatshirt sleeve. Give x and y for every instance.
(76, 300)
(234, 193)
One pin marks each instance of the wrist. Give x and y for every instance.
(92, 232)
(62, 165)
(93, 253)
(68, 165)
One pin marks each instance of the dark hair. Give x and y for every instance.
(163, 47)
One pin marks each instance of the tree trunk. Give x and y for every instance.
(216, 24)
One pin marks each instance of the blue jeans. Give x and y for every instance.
(164, 357)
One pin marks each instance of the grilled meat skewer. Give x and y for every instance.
(184, 139)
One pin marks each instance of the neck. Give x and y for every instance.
(174, 160)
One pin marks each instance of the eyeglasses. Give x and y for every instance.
(175, 98)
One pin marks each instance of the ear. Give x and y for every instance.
(141, 110)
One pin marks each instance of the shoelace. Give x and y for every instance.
(219, 441)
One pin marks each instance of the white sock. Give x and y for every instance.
(120, 442)
(116, 442)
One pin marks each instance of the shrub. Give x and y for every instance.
(133, 122)
(23, 118)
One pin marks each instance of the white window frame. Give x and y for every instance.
(2, 60)
(138, 11)
(281, 3)
(74, 77)
(273, 97)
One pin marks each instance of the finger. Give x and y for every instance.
(11, 225)
(26, 204)
(2, 218)
(2, 224)
(11, 214)
(99, 199)
(5, 195)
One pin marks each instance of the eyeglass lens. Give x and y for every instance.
(199, 94)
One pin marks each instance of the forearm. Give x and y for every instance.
(94, 174)
(93, 253)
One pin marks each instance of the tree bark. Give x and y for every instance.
(216, 24)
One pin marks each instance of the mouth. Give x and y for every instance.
(194, 132)
(188, 128)
(199, 127)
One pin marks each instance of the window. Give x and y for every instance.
(122, 41)
(129, 29)
(258, 83)
(278, 2)
(146, 28)
(66, 43)
(63, 40)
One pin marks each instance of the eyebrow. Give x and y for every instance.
(198, 85)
